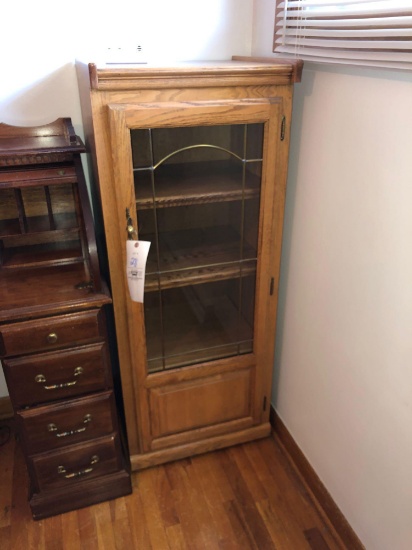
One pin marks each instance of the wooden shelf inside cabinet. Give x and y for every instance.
(198, 256)
(210, 329)
(54, 346)
(180, 185)
(66, 222)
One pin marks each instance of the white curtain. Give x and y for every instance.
(360, 32)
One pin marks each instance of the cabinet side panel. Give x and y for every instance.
(270, 263)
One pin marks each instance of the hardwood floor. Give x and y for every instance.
(244, 497)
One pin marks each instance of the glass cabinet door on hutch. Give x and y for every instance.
(197, 202)
(200, 174)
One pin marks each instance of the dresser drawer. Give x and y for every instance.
(50, 333)
(76, 463)
(51, 427)
(51, 376)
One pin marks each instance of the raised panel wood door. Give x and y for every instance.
(197, 180)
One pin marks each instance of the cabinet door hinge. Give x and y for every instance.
(283, 129)
(264, 403)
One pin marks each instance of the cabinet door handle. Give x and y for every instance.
(41, 379)
(53, 428)
(131, 231)
(62, 470)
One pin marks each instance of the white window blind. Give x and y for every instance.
(360, 32)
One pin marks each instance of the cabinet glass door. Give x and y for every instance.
(197, 201)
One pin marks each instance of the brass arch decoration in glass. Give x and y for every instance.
(197, 146)
(197, 201)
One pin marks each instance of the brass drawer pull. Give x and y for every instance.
(62, 470)
(41, 379)
(53, 428)
(51, 338)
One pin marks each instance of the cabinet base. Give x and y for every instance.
(146, 460)
(86, 493)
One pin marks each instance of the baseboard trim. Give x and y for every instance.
(314, 484)
(6, 410)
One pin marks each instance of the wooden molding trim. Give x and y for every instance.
(214, 443)
(6, 410)
(310, 478)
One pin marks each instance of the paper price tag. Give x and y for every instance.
(136, 257)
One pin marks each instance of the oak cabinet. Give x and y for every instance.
(193, 159)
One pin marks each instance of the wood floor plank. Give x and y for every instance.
(70, 531)
(278, 507)
(297, 501)
(121, 525)
(191, 517)
(20, 510)
(6, 474)
(175, 537)
(5, 537)
(204, 467)
(315, 539)
(53, 533)
(165, 497)
(104, 527)
(284, 533)
(246, 497)
(218, 475)
(87, 528)
(268, 502)
(200, 507)
(138, 528)
(151, 511)
(249, 473)
(214, 502)
(245, 505)
(244, 537)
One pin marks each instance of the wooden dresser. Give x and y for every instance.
(53, 340)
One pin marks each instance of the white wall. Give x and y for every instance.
(344, 345)
(40, 40)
